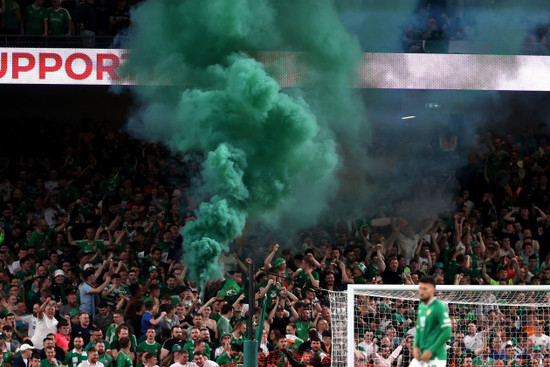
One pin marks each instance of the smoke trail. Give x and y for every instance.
(267, 156)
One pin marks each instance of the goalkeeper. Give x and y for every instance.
(433, 328)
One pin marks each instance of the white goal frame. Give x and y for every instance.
(354, 288)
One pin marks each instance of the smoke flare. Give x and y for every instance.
(268, 156)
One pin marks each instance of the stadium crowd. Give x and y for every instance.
(92, 265)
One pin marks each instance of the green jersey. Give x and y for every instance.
(73, 358)
(124, 360)
(10, 15)
(84, 246)
(190, 347)
(302, 328)
(433, 329)
(57, 20)
(106, 359)
(479, 362)
(46, 363)
(34, 20)
(226, 359)
(40, 242)
(151, 348)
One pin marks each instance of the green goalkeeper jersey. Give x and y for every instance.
(433, 329)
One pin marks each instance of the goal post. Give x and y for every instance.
(375, 316)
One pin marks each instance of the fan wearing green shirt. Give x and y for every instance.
(103, 357)
(36, 19)
(149, 344)
(433, 327)
(50, 360)
(123, 359)
(76, 355)
(40, 239)
(91, 244)
(231, 356)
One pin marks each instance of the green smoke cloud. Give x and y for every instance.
(270, 156)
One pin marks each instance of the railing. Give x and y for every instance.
(447, 47)
(59, 41)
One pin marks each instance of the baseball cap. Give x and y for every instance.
(278, 262)
(224, 335)
(74, 312)
(439, 265)
(361, 267)
(536, 348)
(87, 266)
(153, 268)
(59, 272)
(176, 348)
(24, 347)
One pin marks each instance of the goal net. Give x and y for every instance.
(374, 325)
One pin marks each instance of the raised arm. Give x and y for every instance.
(269, 258)
(381, 261)
(158, 319)
(484, 273)
(103, 285)
(542, 215)
(510, 216)
(481, 242)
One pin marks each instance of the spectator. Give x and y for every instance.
(86, 22)
(45, 323)
(59, 20)
(26, 352)
(50, 360)
(93, 359)
(149, 345)
(231, 356)
(202, 361)
(120, 17)
(12, 21)
(83, 328)
(104, 318)
(181, 357)
(176, 338)
(77, 355)
(123, 358)
(103, 357)
(87, 291)
(35, 19)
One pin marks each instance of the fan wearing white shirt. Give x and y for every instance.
(474, 340)
(540, 339)
(368, 343)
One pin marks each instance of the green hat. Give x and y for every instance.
(224, 335)
(278, 262)
(74, 312)
(153, 268)
(439, 265)
(176, 348)
(361, 267)
(536, 348)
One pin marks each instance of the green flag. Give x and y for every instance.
(230, 289)
(260, 328)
